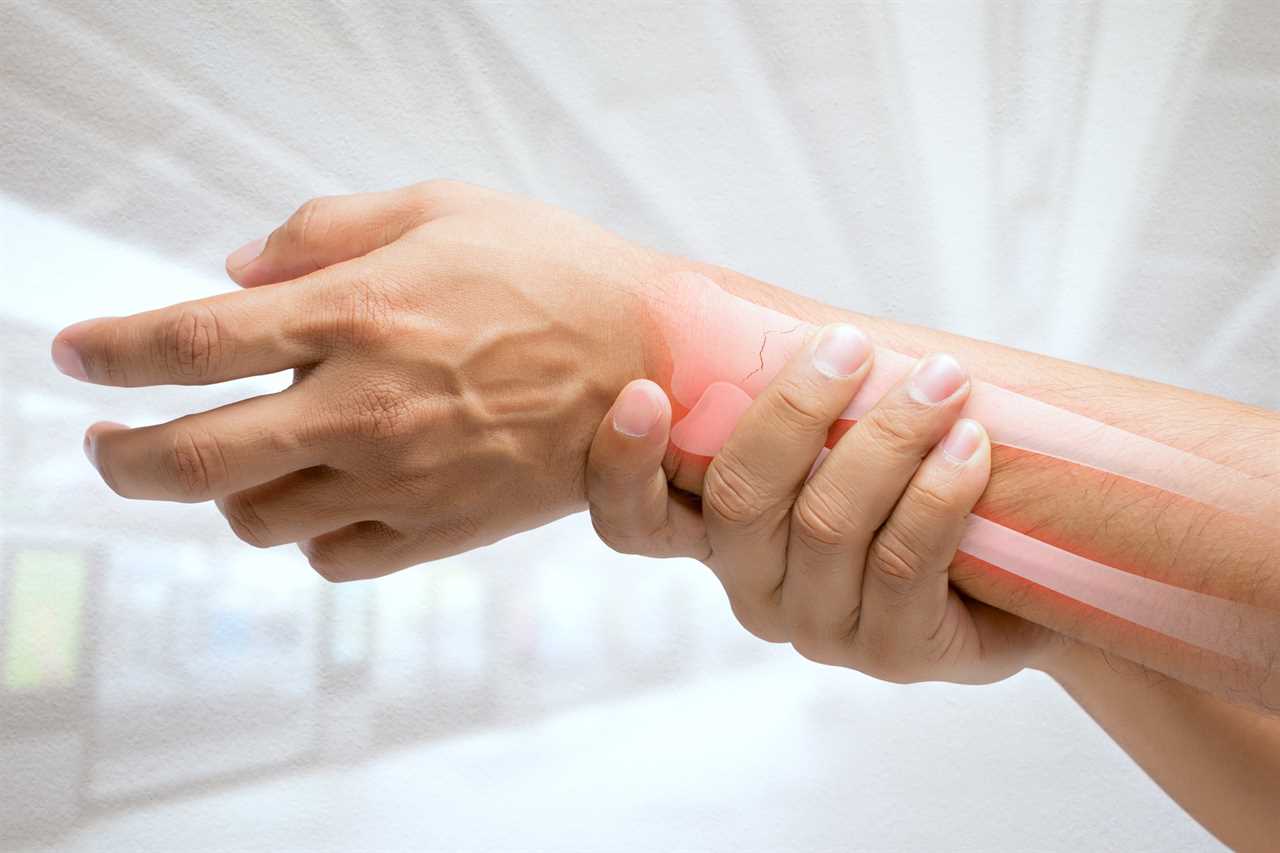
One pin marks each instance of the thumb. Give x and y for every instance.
(631, 508)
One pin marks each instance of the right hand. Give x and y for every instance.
(849, 565)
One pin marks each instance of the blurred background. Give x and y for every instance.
(1097, 180)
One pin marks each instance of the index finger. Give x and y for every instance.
(230, 336)
(754, 479)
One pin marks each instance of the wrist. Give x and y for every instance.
(613, 342)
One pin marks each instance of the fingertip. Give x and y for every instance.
(964, 441)
(841, 350)
(640, 410)
(107, 425)
(239, 261)
(938, 379)
(66, 356)
(967, 451)
(98, 429)
(625, 485)
(92, 436)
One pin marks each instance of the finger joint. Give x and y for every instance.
(759, 620)
(195, 343)
(309, 225)
(197, 464)
(732, 495)
(796, 411)
(894, 435)
(896, 559)
(822, 521)
(246, 522)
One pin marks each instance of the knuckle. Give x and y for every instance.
(798, 410)
(930, 498)
(311, 222)
(194, 343)
(814, 644)
(364, 314)
(196, 463)
(821, 520)
(731, 495)
(889, 658)
(246, 522)
(897, 559)
(758, 619)
(894, 434)
(898, 674)
(435, 191)
(325, 563)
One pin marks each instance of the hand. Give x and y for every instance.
(453, 349)
(849, 565)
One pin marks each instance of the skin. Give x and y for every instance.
(854, 578)
(725, 350)
(437, 335)
(454, 349)
(870, 590)
(716, 338)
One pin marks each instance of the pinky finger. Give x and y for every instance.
(631, 507)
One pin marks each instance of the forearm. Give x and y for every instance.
(460, 354)
(1112, 520)
(1219, 761)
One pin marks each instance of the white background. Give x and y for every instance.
(1094, 180)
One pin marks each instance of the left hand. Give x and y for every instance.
(849, 565)
(453, 347)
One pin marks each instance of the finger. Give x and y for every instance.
(328, 230)
(751, 483)
(851, 494)
(630, 506)
(366, 549)
(297, 506)
(211, 340)
(207, 455)
(905, 591)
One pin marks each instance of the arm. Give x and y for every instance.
(455, 349)
(1219, 761)
(1112, 520)
(868, 588)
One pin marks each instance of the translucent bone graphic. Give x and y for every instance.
(724, 351)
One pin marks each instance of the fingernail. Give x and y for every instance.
(243, 256)
(637, 411)
(67, 359)
(963, 440)
(89, 450)
(841, 349)
(937, 378)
